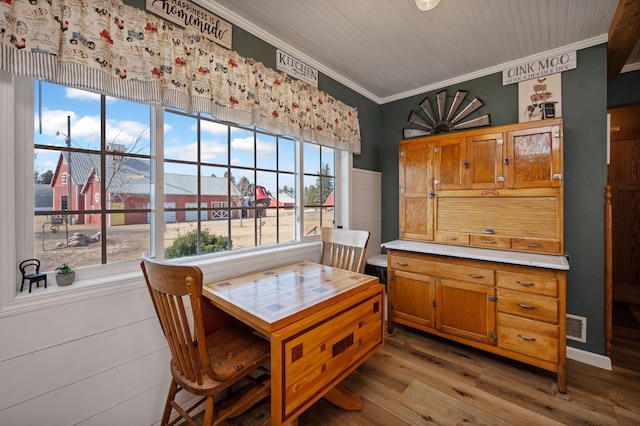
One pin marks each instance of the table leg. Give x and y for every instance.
(344, 398)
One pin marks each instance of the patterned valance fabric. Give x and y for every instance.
(114, 49)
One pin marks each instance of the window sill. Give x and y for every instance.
(124, 277)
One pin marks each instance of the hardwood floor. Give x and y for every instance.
(419, 379)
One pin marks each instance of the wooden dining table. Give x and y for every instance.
(322, 322)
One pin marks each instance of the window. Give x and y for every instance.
(93, 161)
(106, 180)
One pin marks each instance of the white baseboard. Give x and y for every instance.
(590, 358)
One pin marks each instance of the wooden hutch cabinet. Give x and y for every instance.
(480, 258)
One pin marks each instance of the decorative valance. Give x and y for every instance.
(118, 50)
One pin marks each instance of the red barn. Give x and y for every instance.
(128, 185)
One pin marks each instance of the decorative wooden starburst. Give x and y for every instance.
(448, 122)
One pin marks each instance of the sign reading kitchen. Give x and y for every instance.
(193, 17)
(296, 68)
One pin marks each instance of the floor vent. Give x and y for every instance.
(576, 328)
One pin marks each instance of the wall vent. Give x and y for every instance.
(577, 328)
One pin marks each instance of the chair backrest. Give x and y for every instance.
(169, 286)
(344, 248)
(25, 265)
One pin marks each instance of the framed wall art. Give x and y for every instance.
(540, 98)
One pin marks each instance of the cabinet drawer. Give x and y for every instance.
(528, 305)
(452, 237)
(466, 273)
(411, 264)
(528, 337)
(490, 241)
(534, 245)
(538, 284)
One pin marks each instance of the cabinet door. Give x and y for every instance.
(485, 154)
(411, 298)
(534, 157)
(466, 309)
(416, 186)
(450, 170)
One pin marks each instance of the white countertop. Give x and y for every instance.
(514, 257)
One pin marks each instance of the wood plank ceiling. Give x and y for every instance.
(386, 50)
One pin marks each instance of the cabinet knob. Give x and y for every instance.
(523, 306)
(528, 339)
(436, 181)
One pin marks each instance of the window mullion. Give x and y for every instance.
(103, 174)
(157, 181)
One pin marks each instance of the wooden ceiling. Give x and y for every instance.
(624, 36)
(388, 49)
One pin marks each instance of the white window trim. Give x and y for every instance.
(17, 193)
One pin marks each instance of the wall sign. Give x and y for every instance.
(540, 98)
(539, 68)
(188, 15)
(296, 68)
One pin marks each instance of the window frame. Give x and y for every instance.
(16, 161)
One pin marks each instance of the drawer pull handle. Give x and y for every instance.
(452, 238)
(528, 339)
(476, 276)
(526, 284)
(489, 242)
(488, 231)
(402, 264)
(535, 245)
(523, 306)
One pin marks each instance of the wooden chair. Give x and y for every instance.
(30, 270)
(344, 248)
(210, 355)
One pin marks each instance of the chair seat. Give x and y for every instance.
(243, 350)
(231, 351)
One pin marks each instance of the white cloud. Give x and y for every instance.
(85, 130)
(243, 144)
(81, 95)
(212, 150)
(212, 128)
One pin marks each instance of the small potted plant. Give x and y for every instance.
(65, 274)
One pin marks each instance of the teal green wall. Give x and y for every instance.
(584, 104)
(624, 89)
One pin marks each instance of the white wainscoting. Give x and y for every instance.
(366, 206)
(99, 359)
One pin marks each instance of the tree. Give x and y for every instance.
(316, 195)
(325, 183)
(244, 186)
(231, 177)
(45, 177)
(290, 191)
(311, 196)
